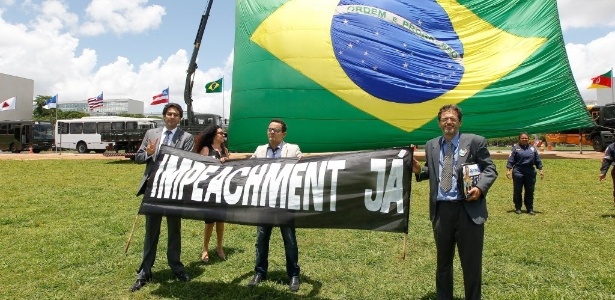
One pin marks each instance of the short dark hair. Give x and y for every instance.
(524, 133)
(281, 122)
(448, 107)
(174, 105)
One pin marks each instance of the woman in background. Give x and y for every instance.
(521, 162)
(211, 142)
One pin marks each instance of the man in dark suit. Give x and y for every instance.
(457, 217)
(173, 136)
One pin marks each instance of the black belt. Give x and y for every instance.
(448, 201)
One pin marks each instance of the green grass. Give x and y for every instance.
(65, 223)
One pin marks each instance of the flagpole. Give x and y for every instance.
(612, 94)
(56, 116)
(223, 118)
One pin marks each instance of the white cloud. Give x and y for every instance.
(121, 16)
(54, 16)
(586, 14)
(590, 60)
(44, 51)
(212, 103)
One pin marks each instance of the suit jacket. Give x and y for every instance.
(288, 150)
(475, 148)
(181, 139)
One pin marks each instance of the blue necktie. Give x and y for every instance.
(165, 141)
(167, 137)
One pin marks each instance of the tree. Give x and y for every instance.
(41, 114)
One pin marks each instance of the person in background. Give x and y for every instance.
(211, 142)
(277, 148)
(607, 161)
(173, 136)
(521, 161)
(456, 218)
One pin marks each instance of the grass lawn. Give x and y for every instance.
(65, 224)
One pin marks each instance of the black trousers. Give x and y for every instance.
(613, 177)
(524, 181)
(150, 244)
(452, 227)
(263, 235)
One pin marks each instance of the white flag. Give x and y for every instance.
(8, 104)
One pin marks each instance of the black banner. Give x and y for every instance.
(352, 190)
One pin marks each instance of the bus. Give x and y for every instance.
(126, 141)
(17, 136)
(84, 134)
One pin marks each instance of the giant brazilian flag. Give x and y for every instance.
(368, 74)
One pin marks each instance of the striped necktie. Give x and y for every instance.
(446, 181)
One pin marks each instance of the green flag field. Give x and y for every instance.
(65, 223)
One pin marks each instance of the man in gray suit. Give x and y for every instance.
(457, 217)
(276, 148)
(173, 136)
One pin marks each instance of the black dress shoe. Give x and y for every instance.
(138, 285)
(181, 275)
(256, 279)
(294, 284)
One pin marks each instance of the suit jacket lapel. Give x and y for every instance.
(464, 147)
(176, 137)
(435, 156)
(158, 136)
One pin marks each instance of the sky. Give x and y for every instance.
(136, 48)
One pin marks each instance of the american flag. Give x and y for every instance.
(96, 102)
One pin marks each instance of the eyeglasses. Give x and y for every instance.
(449, 119)
(274, 130)
(222, 133)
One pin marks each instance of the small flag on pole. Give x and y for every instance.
(161, 98)
(96, 102)
(602, 81)
(51, 103)
(214, 86)
(8, 104)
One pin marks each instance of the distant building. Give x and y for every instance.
(111, 107)
(23, 91)
(605, 96)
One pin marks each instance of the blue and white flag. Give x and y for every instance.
(51, 103)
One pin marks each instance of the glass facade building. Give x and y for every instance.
(111, 107)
